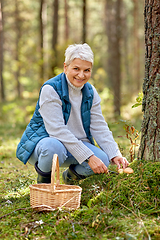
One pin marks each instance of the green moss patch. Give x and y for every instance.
(139, 191)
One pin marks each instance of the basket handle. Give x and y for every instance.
(55, 168)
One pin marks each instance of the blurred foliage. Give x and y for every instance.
(30, 62)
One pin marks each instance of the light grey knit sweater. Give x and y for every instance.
(72, 134)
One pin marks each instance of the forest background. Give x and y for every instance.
(35, 34)
(33, 38)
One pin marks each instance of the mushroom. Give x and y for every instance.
(120, 170)
(128, 170)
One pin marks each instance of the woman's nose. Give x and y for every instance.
(81, 74)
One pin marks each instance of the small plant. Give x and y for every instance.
(131, 134)
(138, 100)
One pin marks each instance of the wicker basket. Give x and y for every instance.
(49, 197)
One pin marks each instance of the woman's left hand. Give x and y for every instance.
(120, 161)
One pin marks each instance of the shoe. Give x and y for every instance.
(71, 177)
(43, 177)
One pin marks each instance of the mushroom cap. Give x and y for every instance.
(128, 170)
(120, 170)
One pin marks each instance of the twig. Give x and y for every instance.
(18, 209)
(129, 210)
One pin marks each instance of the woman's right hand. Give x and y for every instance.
(97, 165)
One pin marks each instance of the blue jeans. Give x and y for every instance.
(47, 147)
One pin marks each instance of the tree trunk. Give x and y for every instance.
(113, 9)
(55, 25)
(1, 51)
(136, 47)
(54, 38)
(150, 131)
(84, 21)
(17, 51)
(125, 34)
(66, 21)
(41, 31)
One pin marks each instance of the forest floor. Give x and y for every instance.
(121, 207)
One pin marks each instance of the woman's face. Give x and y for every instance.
(78, 71)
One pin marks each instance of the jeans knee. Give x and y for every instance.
(46, 148)
(104, 158)
(50, 146)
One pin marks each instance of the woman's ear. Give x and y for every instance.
(65, 68)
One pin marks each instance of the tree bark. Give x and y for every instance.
(113, 10)
(1, 52)
(150, 131)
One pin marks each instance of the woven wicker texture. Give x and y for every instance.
(49, 197)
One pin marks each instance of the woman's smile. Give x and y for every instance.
(78, 72)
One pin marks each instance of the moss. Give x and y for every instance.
(112, 206)
(139, 191)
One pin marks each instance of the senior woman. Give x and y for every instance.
(66, 120)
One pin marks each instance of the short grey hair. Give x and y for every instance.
(82, 51)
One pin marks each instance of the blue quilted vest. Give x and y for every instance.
(35, 130)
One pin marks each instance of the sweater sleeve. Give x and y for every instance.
(51, 112)
(100, 130)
